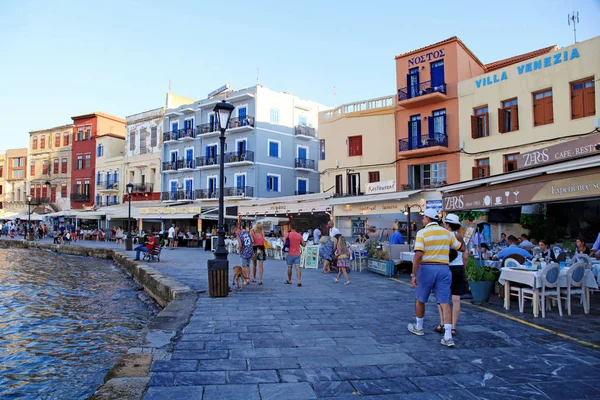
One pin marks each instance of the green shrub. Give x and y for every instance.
(476, 273)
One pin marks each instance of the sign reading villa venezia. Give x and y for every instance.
(546, 62)
(381, 187)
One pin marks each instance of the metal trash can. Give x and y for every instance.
(128, 244)
(218, 278)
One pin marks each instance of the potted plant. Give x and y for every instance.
(481, 280)
(379, 259)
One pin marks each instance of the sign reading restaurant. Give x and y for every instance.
(380, 187)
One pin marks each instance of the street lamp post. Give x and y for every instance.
(128, 245)
(407, 209)
(27, 237)
(219, 267)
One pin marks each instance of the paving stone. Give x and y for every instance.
(229, 345)
(273, 363)
(318, 362)
(288, 391)
(222, 365)
(333, 388)
(313, 351)
(434, 383)
(368, 387)
(362, 372)
(199, 354)
(451, 367)
(364, 349)
(481, 379)
(256, 353)
(190, 346)
(182, 392)
(308, 375)
(162, 379)
(457, 394)
(253, 376)
(260, 328)
(174, 366)
(231, 392)
(567, 390)
(200, 378)
(374, 359)
(508, 392)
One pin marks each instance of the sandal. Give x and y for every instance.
(299, 284)
(453, 332)
(260, 283)
(287, 282)
(439, 329)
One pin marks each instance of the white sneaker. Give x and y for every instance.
(336, 280)
(347, 283)
(412, 328)
(449, 342)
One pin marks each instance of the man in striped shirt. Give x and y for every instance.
(431, 272)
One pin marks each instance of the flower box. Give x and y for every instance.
(383, 267)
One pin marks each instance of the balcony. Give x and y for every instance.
(305, 132)
(302, 192)
(236, 124)
(40, 200)
(207, 162)
(188, 164)
(107, 203)
(208, 129)
(426, 144)
(143, 187)
(240, 157)
(80, 197)
(423, 94)
(186, 135)
(170, 137)
(107, 186)
(245, 191)
(305, 165)
(178, 195)
(172, 166)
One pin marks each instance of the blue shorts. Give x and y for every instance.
(292, 260)
(245, 261)
(436, 277)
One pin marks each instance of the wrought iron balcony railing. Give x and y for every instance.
(306, 131)
(80, 197)
(306, 164)
(143, 187)
(423, 141)
(421, 89)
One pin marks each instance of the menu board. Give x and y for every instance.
(469, 234)
(309, 257)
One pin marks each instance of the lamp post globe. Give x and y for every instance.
(218, 269)
(128, 244)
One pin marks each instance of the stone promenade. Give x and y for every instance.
(328, 340)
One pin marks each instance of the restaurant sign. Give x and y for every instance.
(170, 210)
(533, 190)
(559, 152)
(390, 207)
(380, 187)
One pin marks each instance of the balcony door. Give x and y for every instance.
(53, 193)
(108, 182)
(189, 188)
(188, 125)
(211, 154)
(412, 82)
(189, 157)
(241, 114)
(212, 187)
(241, 148)
(437, 75)
(173, 190)
(174, 156)
(353, 184)
(240, 181)
(302, 183)
(44, 191)
(414, 132)
(437, 124)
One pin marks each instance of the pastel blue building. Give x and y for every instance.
(271, 147)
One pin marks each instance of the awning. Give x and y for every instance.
(374, 197)
(291, 206)
(388, 203)
(88, 214)
(166, 216)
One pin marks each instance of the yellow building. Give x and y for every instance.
(15, 181)
(527, 106)
(357, 147)
(49, 168)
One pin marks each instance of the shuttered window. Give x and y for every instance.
(355, 146)
(480, 126)
(510, 162)
(583, 101)
(542, 108)
(339, 190)
(373, 177)
(508, 116)
(481, 168)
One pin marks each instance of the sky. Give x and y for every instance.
(62, 58)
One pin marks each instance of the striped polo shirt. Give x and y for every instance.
(435, 242)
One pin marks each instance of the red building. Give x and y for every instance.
(86, 128)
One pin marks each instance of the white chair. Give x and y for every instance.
(576, 286)
(514, 289)
(550, 279)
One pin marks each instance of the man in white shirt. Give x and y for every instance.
(172, 237)
(316, 235)
(333, 231)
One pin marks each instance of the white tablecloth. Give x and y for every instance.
(408, 256)
(534, 277)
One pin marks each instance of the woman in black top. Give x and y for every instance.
(547, 254)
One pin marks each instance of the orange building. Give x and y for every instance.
(427, 129)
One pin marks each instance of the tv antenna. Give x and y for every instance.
(574, 18)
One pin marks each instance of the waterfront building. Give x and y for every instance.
(143, 149)
(2, 184)
(86, 129)
(271, 148)
(49, 175)
(15, 181)
(109, 187)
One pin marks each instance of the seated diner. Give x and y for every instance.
(513, 249)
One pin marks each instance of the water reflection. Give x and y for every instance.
(64, 321)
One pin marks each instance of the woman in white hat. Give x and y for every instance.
(458, 260)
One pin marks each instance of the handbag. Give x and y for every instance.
(267, 244)
(286, 246)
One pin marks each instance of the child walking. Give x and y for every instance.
(343, 259)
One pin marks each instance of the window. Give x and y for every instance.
(132, 140)
(86, 187)
(355, 146)
(274, 147)
(55, 168)
(79, 162)
(66, 137)
(64, 166)
(339, 188)
(32, 169)
(0, 192)
(508, 116)
(77, 187)
(302, 120)
(1, 171)
(273, 183)
(373, 177)
(63, 190)
(274, 115)
(414, 132)
(353, 184)
(18, 162)
(583, 101)
(143, 147)
(542, 108)
(88, 161)
(100, 151)
(45, 167)
(88, 132)
(57, 140)
(301, 186)
(427, 175)
(321, 149)
(510, 162)
(43, 142)
(437, 124)
(480, 126)
(99, 178)
(481, 168)
(17, 174)
(34, 144)
(412, 82)
(153, 137)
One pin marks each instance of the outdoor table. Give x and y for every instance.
(533, 278)
(408, 256)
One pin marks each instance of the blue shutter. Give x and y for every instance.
(242, 114)
(431, 127)
(302, 153)
(301, 186)
(269, 183)
(411, 137)
(116, 177)
(275, 184)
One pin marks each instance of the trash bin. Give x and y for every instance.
(218, 278)
(128, 244)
